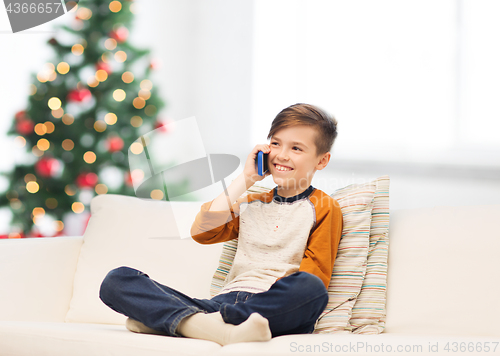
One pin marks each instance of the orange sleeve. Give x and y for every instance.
(210, 227)
(324, 239)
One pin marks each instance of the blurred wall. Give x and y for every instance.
(205, 50)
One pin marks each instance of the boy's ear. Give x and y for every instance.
(323, 160)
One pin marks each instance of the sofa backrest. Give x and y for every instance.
(443, 274)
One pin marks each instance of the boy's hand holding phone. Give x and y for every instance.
(244, 181)
(251, 169)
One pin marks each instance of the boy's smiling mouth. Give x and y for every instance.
(281, 168)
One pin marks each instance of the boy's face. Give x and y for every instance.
(293, 159)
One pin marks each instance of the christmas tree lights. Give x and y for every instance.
(86, 108)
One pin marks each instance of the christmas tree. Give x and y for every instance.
(86, 108)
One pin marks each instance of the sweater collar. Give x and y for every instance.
(278, 198)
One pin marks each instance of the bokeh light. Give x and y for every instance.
(89, 157)
(110, 118)
(63, 68)
(136, 121)
(68, 144)
(119, 95)
(136, 148)
(115, 6)
(77, 49)
(100, 126)
(156, 194)
(54, 103)
(128, 77)
(32, 187)
(78, 207)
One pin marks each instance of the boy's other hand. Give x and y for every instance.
(250, 170)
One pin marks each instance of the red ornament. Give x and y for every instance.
(35, 233)
(114, 144)
(25, 126)
(120, 34)
(85, 225)
(22, 115)
(103, 66)
(154, 64)
(47, 167)
(87, 180)
(13, 235)
(79, 95)
(164, 126)
(128, 179)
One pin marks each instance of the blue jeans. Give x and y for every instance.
(292, 304)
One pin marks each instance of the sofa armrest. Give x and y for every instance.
(36, 278)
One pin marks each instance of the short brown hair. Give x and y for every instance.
(306, 114)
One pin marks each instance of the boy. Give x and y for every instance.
(287, 244)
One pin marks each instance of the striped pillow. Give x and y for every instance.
(368, 313)
(356, 202)
(225, 263)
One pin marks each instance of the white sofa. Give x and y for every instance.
(442, 296)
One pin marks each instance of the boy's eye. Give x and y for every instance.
(274, 143)
(295, 147)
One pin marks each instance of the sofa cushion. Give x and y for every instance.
(443, 271)
(78, 339)
(64, 339)
(369, 311)
(356, 202)
(365, 345)
(142, 234)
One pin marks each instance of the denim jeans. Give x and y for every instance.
(292, 304)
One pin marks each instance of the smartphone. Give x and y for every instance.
(261, 161)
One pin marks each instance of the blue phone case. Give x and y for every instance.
(261, 163)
